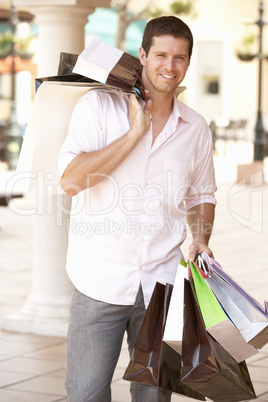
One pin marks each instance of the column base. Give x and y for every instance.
(22, 323)
(41, 315)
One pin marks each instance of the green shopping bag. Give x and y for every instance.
(211, 310)
(215, 319)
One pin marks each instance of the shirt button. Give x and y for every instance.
(146, 183)
(142, 239)
(141, 268)
(134, 293)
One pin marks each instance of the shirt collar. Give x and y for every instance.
(179, 111)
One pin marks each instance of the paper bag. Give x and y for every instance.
(65, 71)
(109, 65)
(247, 314)
(206, 366)
(152, 361)
(47, 130)
(217, 323)
(174, 323)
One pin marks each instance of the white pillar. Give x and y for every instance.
(61, 28)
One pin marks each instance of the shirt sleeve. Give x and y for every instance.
(203, 185)
(84, 132)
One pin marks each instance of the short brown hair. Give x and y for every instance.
(167, 25)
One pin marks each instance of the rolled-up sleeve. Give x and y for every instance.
(203, 185)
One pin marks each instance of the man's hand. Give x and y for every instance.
(140, 120)
(196, 248)
(90, 168)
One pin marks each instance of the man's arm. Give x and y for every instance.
(200, 220)
(77, 176)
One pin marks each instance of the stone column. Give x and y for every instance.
(61, 29)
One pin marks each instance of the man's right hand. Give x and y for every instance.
(83, 171)
(140, 120)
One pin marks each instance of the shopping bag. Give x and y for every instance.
(217, 323)
(109, 65)
(65, 71)
(206, 366)
(152, 361)
(246, 313)
(46, 131)
(127, 79)
(66, 63)
(174, 323)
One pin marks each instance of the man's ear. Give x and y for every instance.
(142, 56)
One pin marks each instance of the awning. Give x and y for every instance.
(23, 16)
(20, 65)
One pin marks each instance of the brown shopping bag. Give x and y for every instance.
(65, 71)
(109, 65)
(206, 366)
(100, 63)
(153, 362)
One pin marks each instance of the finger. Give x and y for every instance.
(193, 250)
(148, 107)
(146, 93)
(210, 253)
(133, 100)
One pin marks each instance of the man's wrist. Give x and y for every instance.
(201, 239)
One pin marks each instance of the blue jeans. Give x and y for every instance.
(95, 336)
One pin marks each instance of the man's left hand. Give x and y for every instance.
(197, 248)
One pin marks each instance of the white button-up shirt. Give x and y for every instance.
(128, 229)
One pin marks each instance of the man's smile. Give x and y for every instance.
(169, 77)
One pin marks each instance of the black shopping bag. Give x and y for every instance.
(206, 366)
(153, 362)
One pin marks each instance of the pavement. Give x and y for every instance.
(32, 367)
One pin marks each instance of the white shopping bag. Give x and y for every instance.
(252, 325)
(97, 60)
(246, 313)
(216, 321)
(109, 65)
(174, 323)
(46, 131)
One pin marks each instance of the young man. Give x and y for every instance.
(138, 172)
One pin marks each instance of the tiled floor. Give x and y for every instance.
(32, 368)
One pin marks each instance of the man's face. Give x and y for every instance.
(166, 64)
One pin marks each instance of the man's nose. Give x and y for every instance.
(170, 64)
